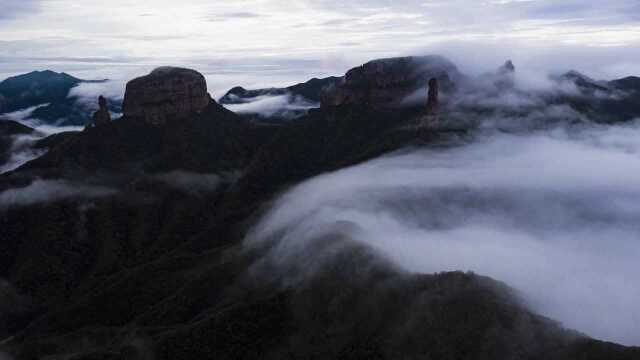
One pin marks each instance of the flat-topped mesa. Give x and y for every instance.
(391, 82)
(166, 93)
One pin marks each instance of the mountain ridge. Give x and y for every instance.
(50, 89)
(150, 269)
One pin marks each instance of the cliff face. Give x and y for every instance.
(390, 82)
(164, 94)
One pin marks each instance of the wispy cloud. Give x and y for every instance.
(22, 151)
(45, 191)
(233, 16)
(42, 129)
(22, 148)
(310, 29)
(286, 106)
(195, 183)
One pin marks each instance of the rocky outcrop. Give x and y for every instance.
(432, 96)
(3, 102)
(166, 93)
(507, 68)
(390, 82)
(505, 76)
(102, 116)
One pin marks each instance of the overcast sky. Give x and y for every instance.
(314, 37)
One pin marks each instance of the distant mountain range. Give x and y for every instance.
(52, 91)
(310, 90)
(126, 240)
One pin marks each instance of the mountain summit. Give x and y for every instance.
(167, 92)
(51, 93)
(35, 88)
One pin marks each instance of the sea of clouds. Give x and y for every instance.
(553, 213)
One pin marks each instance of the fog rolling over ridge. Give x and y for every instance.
(552, 213)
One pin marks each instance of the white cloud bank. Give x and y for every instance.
(553, 214)
(268, 106)
(88, 93)
(22, 151)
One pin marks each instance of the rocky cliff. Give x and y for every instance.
(391, 82)
(102, 115)
(166, 93)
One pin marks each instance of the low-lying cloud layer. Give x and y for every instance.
(45, 191)
(88, 93)
(22, 149)
(287, 106)
(24, 117)
(552, 213)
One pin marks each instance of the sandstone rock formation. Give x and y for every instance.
(102, 116)
(166, 93)
(432, 96)
(389, 82)
(505, 76)
(507, 68)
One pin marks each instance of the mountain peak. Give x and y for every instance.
(507, 68)
(166, 93)
(41, 75)
(35, 88)
(627, 83)
(583, 81)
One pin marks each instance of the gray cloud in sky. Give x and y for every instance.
(12, 9)
(599, 38)
(232, 16)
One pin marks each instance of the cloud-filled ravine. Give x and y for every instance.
(552, 213)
